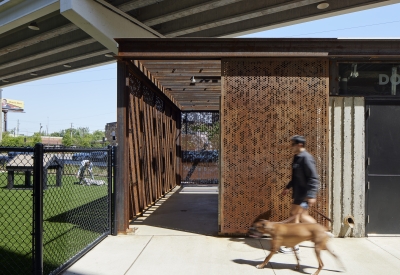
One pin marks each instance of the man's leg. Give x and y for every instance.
(306, 218)
(295, 213)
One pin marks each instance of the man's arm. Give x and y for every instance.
(310, 172)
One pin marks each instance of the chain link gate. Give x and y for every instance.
(45, 228)
(200, 147)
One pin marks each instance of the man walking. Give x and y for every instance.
(304, 183)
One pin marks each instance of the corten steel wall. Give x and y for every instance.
(264, 102)
(200, 147)
(154, 145)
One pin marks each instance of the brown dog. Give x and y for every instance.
(291, 234)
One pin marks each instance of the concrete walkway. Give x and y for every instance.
(179, 238)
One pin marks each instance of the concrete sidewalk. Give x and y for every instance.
(171, 241)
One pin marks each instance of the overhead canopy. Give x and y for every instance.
(188, 70)
(75, 34)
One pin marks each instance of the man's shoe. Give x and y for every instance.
(329, 234)
(289, 250)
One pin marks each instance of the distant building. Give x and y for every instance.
(51, 141)
(110, 132)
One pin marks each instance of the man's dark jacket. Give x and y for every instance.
(304, 181)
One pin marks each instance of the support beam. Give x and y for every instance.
(38, 38)
(26, 12)
(207, 24)
(209, 5)
(122, 179)
(47, 53)
(137, 4)
(54, 64)
(101, 23)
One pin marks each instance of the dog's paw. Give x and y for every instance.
(260, 266)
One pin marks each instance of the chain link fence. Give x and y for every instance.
(45, 228)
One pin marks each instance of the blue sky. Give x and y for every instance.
(88, 98)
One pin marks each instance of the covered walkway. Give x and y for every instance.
(177, 236)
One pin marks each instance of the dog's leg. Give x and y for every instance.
(274, 248)
(320, 263)
(297, 259)
(337, 259)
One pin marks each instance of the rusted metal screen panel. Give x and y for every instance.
(154, 145)
(200, 147)
(264, 102)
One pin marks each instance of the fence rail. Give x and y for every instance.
(55, 205)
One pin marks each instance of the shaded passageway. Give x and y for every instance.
(185, 210)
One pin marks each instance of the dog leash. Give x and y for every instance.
(321, 214)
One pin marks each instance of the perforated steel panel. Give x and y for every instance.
(265, 102)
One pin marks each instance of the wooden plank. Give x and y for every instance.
(147, 155)
(132, 157)
(142, 150)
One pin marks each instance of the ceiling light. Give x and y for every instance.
(192, 80)
(5, 80)
(67, 66)
(108, 55)
(34, 26)
(33, 73)
(323, 5)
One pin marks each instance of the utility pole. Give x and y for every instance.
(40, 130)
(17, 127)
(47, 127)
(71, 131)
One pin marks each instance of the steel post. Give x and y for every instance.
(38, 210)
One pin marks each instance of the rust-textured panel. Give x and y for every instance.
(200, 147)
(154, 145)
(265, 102)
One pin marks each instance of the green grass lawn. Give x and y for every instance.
(74, 216)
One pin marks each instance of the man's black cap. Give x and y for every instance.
(298, 139)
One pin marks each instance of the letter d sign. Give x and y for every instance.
(383, 79)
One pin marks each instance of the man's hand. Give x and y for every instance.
(311, 201)
(285, 192)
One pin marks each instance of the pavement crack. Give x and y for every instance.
(138, 255)
(383, 249)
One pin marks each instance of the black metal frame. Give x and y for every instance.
(38, 207)
(373, 100)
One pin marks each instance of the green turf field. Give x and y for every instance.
(74, 216)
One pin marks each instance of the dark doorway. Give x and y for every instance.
(383, 168)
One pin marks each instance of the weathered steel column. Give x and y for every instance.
(121, 183)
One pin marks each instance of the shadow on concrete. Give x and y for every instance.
(280, 266)
(194, 212)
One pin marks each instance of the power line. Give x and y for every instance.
(356, 27)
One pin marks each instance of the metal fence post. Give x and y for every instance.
(114, 194)
(38, 209)
(110, 182)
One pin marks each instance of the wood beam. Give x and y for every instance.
(217, 49)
